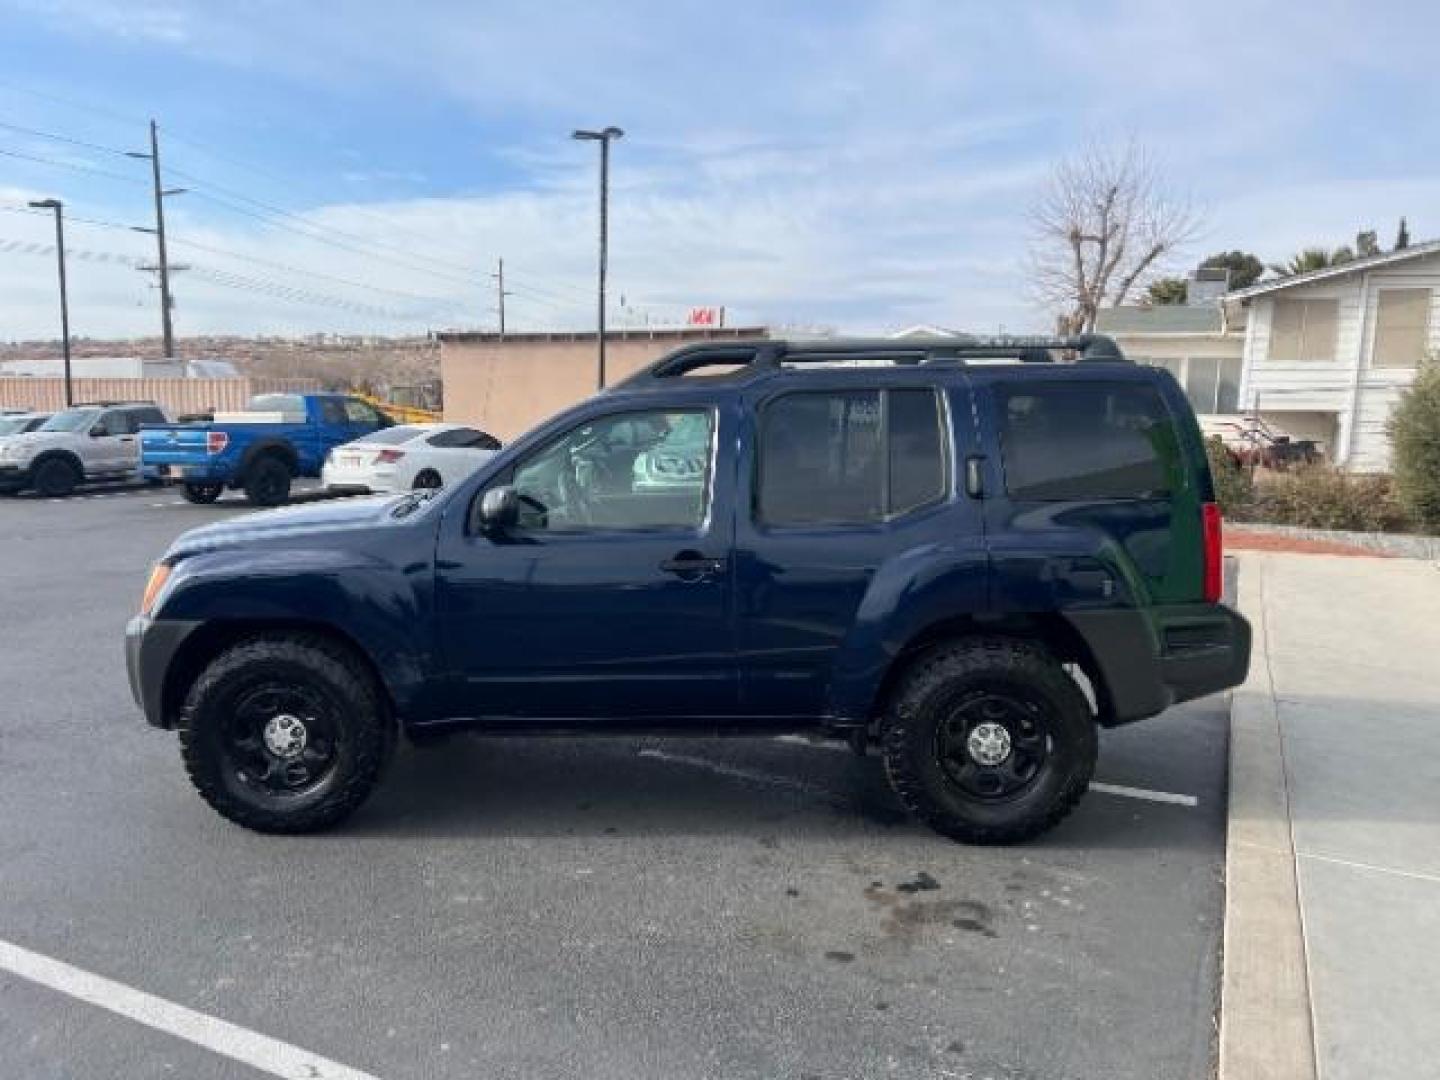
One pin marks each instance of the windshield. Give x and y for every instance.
(11, 425)
(71, 420)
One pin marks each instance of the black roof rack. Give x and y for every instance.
(754, 359)
(110, 404)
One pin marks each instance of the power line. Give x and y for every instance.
(61, 138)
(224, 278)
(58, 163)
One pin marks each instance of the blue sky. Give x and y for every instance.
(858, 165)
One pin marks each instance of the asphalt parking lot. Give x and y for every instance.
(558, 908)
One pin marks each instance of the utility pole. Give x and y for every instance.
(162, 261)
(500, 293)
(604, 138)
(59, 208)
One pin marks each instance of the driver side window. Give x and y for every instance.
(647, 469)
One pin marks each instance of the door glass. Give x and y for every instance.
(332, 412)
(821, 460)
(637, 470)
(917, 449)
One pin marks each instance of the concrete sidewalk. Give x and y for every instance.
(1332, 951)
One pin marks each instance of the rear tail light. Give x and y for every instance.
(388, 457)
(216, 441)
(1214, 552)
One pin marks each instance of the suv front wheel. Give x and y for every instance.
(988, 740)
(286, 733)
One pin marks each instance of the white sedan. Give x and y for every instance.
(408, 456)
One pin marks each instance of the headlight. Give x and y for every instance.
(159, 574)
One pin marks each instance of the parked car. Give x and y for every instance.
(405, 457)
(18, 422)
(907, 555)
(85, 442)
(260, 451)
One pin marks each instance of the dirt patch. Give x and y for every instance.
(1238, 539)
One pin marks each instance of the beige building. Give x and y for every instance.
(508, 385)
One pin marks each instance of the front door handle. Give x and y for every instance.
(692, 565)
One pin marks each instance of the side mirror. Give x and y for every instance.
(499, 509)
(99, 430)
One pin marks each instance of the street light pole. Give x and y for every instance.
(59, 208)
(604, 138)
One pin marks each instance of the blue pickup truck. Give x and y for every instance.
(259, 451)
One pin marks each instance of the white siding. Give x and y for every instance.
(1361, 396)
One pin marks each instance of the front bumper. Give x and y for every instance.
(1149, 660)
(13, 477)
(150, 648)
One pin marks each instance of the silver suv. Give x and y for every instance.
(85, 442)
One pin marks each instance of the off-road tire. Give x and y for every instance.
(55, 478)
(936, 680)
(364, 744)
(201, 494)
(267, 481)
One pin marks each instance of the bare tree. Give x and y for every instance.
(1103, 227)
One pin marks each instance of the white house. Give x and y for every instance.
(1327, 353)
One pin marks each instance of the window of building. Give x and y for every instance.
(1088, 441)
(850, 457)
(1402, 327)
(1212, 384)
(1303, 330)
(633, 470)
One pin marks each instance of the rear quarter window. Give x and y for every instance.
(1074, 440)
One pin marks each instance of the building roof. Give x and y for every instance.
(1385, 258)
(677, 334)
(1159, 319)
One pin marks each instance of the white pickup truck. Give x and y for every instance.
(84, 442)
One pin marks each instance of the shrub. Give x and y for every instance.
(1233, 483)
(1415, 441)
(1320, 497)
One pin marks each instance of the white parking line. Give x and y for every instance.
(239, 1044)
(752, 775)
(1146, 794)
(1106, 789)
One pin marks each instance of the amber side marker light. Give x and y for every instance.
(159, 574)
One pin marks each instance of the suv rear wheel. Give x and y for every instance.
(286, 733)
(267, 482)
(988, 740)
(55, 477)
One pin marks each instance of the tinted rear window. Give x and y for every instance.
(1088, 441)
(392, 436)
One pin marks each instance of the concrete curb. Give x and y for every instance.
(1266, 1031)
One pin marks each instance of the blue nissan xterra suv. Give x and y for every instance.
(970, 552)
